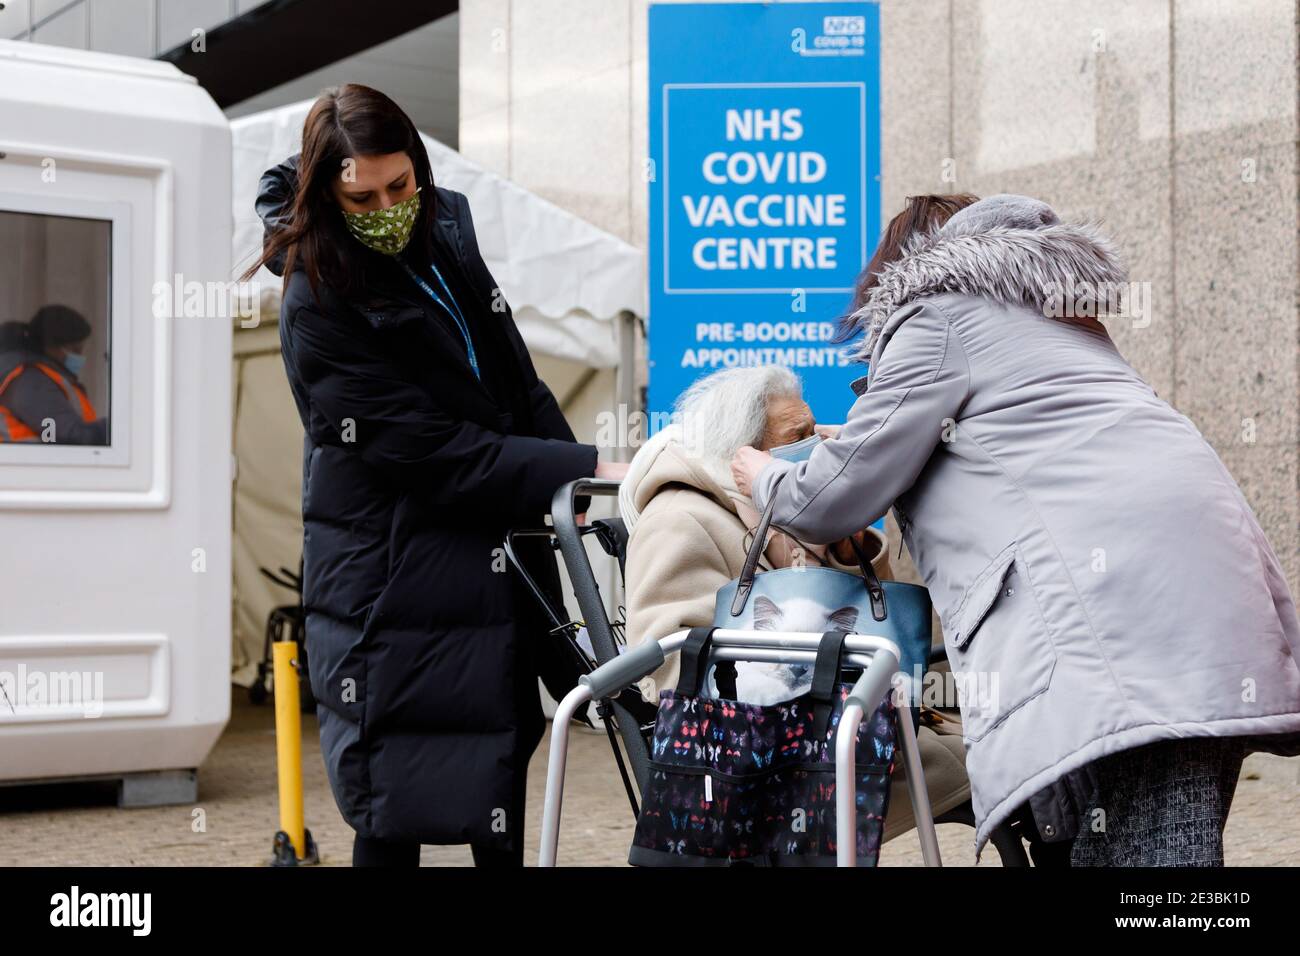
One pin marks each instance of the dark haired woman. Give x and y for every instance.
(428, 435)
(921, 215)
(41, 396)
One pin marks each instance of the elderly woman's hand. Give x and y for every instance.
(746, 465)
(844, 551)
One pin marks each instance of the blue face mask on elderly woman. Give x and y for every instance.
(796, 451)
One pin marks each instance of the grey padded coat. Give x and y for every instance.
(1101, 580)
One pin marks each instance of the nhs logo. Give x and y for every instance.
(844, 26)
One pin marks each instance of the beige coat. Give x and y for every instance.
(690, 539)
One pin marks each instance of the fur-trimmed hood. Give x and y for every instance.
(1012, 249)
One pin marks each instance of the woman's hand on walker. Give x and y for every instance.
(746, 465)
(608, 470)
(611, 470)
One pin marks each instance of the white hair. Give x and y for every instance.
(712, 419)
(723, 411)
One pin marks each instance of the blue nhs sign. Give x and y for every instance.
(755, 211)
(765, 193)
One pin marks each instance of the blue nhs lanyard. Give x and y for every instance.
(451, 309)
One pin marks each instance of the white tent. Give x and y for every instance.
(575, 291)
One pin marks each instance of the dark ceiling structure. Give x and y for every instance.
(282, 40)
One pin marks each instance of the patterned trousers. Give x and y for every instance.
(1164, 804)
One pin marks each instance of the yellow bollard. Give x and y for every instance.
(288, 752)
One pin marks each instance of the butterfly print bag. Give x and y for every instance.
(735, 783)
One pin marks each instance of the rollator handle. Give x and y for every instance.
(628, 668)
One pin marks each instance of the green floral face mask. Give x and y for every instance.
(386, 230)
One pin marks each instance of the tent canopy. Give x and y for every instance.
(565, 279)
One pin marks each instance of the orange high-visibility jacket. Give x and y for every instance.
(14, 429)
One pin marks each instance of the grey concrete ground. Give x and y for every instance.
(237, 798)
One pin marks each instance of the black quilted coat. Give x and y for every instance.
(424, 650)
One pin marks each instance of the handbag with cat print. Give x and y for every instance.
(819, 599)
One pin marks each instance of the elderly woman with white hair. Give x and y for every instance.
(690, 528)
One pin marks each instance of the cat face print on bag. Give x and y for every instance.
(797, 615)
(775, 683)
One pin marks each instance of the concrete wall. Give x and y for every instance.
(1173, 123)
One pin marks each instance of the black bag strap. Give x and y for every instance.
(695, 664)
(745, 583)
(874, 588)
(724, 675)
(826, 674)
(748, 571)
(695, 652)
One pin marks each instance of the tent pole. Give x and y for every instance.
(625, 381)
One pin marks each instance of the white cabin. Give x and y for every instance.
(115, 558)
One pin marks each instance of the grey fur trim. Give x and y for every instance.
(1010, 266)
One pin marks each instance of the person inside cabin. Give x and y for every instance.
(42, 398)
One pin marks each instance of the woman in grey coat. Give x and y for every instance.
(1120, 629)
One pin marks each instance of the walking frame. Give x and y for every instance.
(878, 656)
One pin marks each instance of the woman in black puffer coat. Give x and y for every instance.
(428, 435)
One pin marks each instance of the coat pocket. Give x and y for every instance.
(1000, 650)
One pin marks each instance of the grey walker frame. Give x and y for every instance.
(877, 655)
(587, 592)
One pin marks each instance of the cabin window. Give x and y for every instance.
(56, 366)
